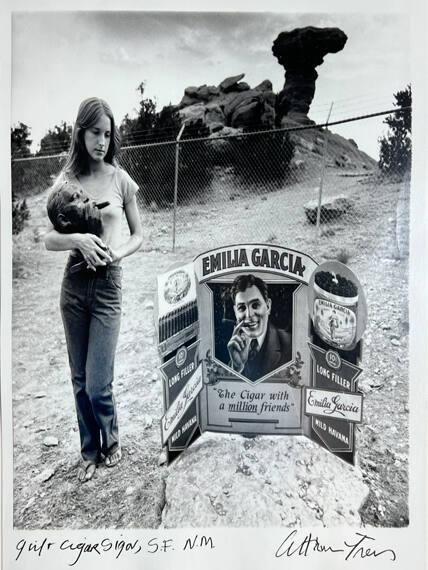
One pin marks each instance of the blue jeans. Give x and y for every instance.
(91, 309)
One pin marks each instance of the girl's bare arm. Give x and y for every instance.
(90, 245)
(136, 230)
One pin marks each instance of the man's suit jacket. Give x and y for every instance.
(274, 352)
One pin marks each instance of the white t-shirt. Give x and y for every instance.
(116, 187)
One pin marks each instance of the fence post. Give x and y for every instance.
(324, 160)
(177, 153)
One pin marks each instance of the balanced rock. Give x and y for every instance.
(331, 208)
(299, 52)
(265, 481)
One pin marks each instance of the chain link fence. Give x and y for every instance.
(252, 187)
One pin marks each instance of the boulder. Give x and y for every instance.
(300, 117)
(201, 94)
(207, 92)
(214, 114)
(331, 208)
(302, 143)
(193, 113)
(241, 99)
(226, 131)
(267, 119)
(230, 83)
(220, 146)
(187, 101)
(242, 86)
(246, 115)
(269, 98)
(215, 127)
(232, 481)
(343, 161)
(265, 85)
(191, 91)
(297, 164)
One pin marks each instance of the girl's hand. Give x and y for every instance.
(93, 249)
(113, 254)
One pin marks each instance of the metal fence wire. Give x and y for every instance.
(254, 182)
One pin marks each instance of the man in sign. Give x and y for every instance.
(256, 347)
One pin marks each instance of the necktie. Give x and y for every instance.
(254, 349)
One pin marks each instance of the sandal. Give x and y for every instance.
(86, 470)
(113, 457)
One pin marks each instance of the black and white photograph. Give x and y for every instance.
(140, 139)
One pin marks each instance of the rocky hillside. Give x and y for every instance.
(233, 106)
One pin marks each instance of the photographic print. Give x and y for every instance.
(206, 204)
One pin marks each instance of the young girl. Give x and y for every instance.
(91, 298)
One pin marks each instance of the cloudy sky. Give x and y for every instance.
(58, 59)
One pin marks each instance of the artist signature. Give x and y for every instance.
(362, 546)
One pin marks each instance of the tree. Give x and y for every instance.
(395, 151)
(20, 214)
(19, 141)
(153, 166)
(20, 148)
(56, 140)
(137, 130)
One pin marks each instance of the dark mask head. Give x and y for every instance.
(71, 211)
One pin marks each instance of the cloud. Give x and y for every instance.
(121, 56)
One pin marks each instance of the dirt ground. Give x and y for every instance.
(46, 449)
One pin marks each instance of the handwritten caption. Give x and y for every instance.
(77, 551)
(296, 544)
(358, 547)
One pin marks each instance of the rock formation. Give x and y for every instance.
(300, 52)
(233, 103)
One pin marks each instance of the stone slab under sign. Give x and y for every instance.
(231, 480)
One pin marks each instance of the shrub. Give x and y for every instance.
(263, 157)
(20, 214)
(152, 163)
(153, 167)
(256, 158)
(395, 151)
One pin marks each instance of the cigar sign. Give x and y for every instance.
(260, 339)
